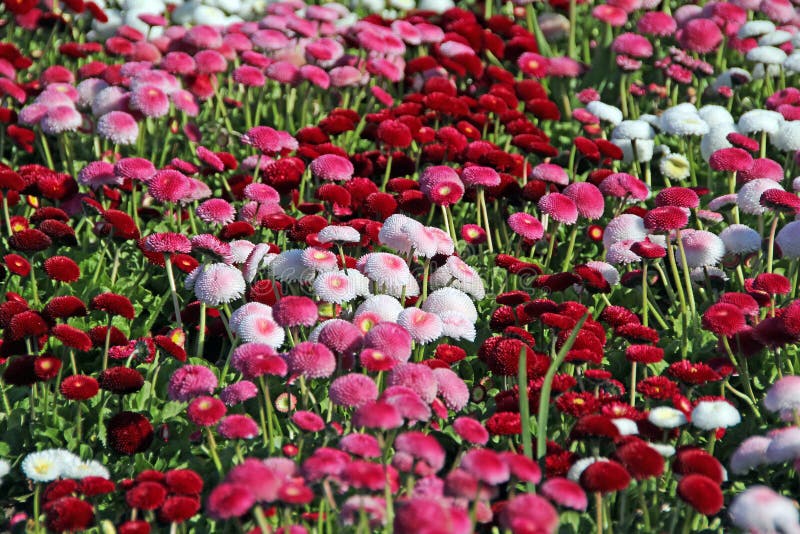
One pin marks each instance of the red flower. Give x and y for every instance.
(206, 411)
(772, 284)
(184, 482)
(657, 387)
(178, 509)
(594, 426)
(724, 319)
(30, 240)
(68, 514)
(72, 337)
(129, 433)
(697, 461)
(702, 494)
(92, 486)
(644, 354)
(79, 387)
(16, 264)
(64, 307)
(26, 324)
(577, 404)
(121, 380)
(693, 373)
(640, 459)
(113, 304)
(666, 218)
(504, 424)
(605, 476)
(146, 495)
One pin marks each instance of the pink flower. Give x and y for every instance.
(312, 360)
(293, 311)
(565, 492)
(332, 167)
(527, 513)
(526, 225)
(451, 388)
(424, 327)
(560, 207)
(486, 465)
(191, 381)
(216, 211)
(308, 421)
(229, 500)
(471, 430)
(238, 427)
(352, 390)
(119, 127)
(377, 415)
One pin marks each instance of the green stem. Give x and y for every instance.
(482, 207)
(570, 248)
(544, 397)
(173, 290)
(212, 449)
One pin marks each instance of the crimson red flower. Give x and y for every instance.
(121, 380)
(681, 197)
(64, 307)
(30, 240)
(206, 411)
(605, 476)
(640, 459)
(179, 508)
(772, 284)
(648, 250)
(702, 493)
(113, 304)
(731, 159)
(657, 387)
(26, 324)
(781, 201)
(724, 319)
(594, 426)
(578, 404)
(693, 373)
(697, 461)
(184, 482)
(92, 486)
(134, 527)
(16, 264)
(146, 495)
(637, 332)
(394, 134)
(644, 354)
(129, 433)
(666, 218)
(79, 387)
(68, 514)
(72, 337)
(504, 424)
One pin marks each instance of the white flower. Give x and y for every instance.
(449, 299)
(674, 167)
(217, 283)
(456, 325)
(47, 465)
(643, 149)
(776, 38)
(666, 417)
(683, 121)
(760, 72)
(288, 267)
(80, 470)
(760, 120)
(740, 239)
(345, 234)
(792, 63)
(769, 55)
(438, 6)
(605, 112)
(796, 184)
(626, 427)
(708, 415)
(754, 28)
(750, 453)
(749, 196)
(633, 129)
(580, 466)
(251, 308)
(787, 138)
(715, 115)
(788, 239)
(5, 467)
(623, 228)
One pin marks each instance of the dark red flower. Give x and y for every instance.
(723, 319)
(693, 373)
(702, 493)
(26, 324)
(772, 284)
(594, 426)
(657, 387)
(30, 240)
(79, 387)
(178, 508)
(92, 486)
(697, 461)
(113, 304)
(68, 514)
(16, 264)
(72, 337)
(121, 380)
(644, 354)
(146, 495)
(504, 424)
(184, 482)
(129, 433)
(605, 476)
(64, 307)
(640, 459)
